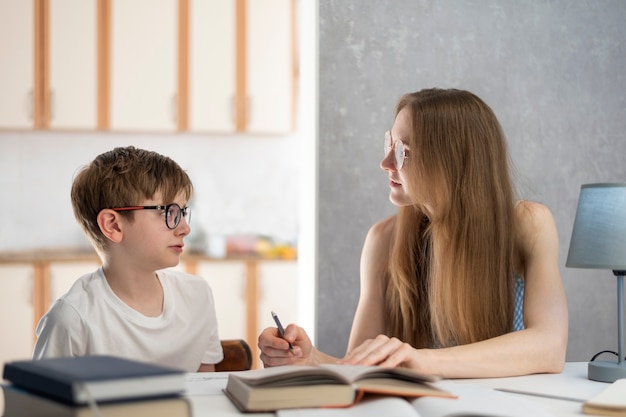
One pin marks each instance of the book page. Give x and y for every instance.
(356, 372)
(369, 407)
(290, 375)
(475, 400)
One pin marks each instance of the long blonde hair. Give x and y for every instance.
(450, 275)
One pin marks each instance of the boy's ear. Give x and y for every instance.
(109, 222)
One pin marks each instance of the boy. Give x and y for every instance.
(132, 204)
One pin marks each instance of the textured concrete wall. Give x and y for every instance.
(553, 72)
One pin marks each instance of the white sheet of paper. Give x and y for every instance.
(205, 383)
(474, 400)
(368, 407)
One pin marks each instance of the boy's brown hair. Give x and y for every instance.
(123, 177)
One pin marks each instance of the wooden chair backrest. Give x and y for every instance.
(237, 356)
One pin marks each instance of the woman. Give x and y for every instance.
(463, 281)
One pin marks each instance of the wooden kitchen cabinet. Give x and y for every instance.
(16, 304)
(72, 65)
(47, 56)
(228, 283)
(278, 292)
(270, 67)
(237, 72)
(16, 64)
(212, 65)
(206, 66)
(242, 69)
(143, 65)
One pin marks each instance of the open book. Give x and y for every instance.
(323, 386)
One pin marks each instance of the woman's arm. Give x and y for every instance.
(369, 318)
(539, 348)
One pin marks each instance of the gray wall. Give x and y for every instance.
(553, 72)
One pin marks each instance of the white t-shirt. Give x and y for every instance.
(90, 319)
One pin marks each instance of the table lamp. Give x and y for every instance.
(599, 242)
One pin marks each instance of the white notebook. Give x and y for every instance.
(610, 402)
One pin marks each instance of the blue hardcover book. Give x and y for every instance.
(78, 380)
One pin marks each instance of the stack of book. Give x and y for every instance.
(93, 386)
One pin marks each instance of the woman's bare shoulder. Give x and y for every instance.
(536, 228)
(378, 238)
(531, 215)
(383, 228)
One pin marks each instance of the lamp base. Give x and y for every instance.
(604, 371)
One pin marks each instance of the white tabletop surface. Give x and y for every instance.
(560, 394)
(204, 391)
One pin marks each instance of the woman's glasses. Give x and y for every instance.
(173, 213)
(398, 148)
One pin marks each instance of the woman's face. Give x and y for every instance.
(398, 178)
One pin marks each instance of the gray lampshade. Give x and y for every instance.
(599, 235)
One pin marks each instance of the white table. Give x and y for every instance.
(561, 394)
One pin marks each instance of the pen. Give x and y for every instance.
(280, 327)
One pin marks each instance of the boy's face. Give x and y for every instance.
(149, 241)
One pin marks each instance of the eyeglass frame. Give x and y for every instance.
(182, 212)
(400, 154)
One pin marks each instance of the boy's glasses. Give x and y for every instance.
(398, 148)
(173, 213)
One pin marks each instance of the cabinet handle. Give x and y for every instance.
(31, 289)
(52, 289)
(29, 104)
(175, 108)
(52, 104)
(249, 103)
(233, 109)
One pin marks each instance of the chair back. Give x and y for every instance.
(237, 356)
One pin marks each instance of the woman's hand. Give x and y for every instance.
(383, 351)
(275, 349)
